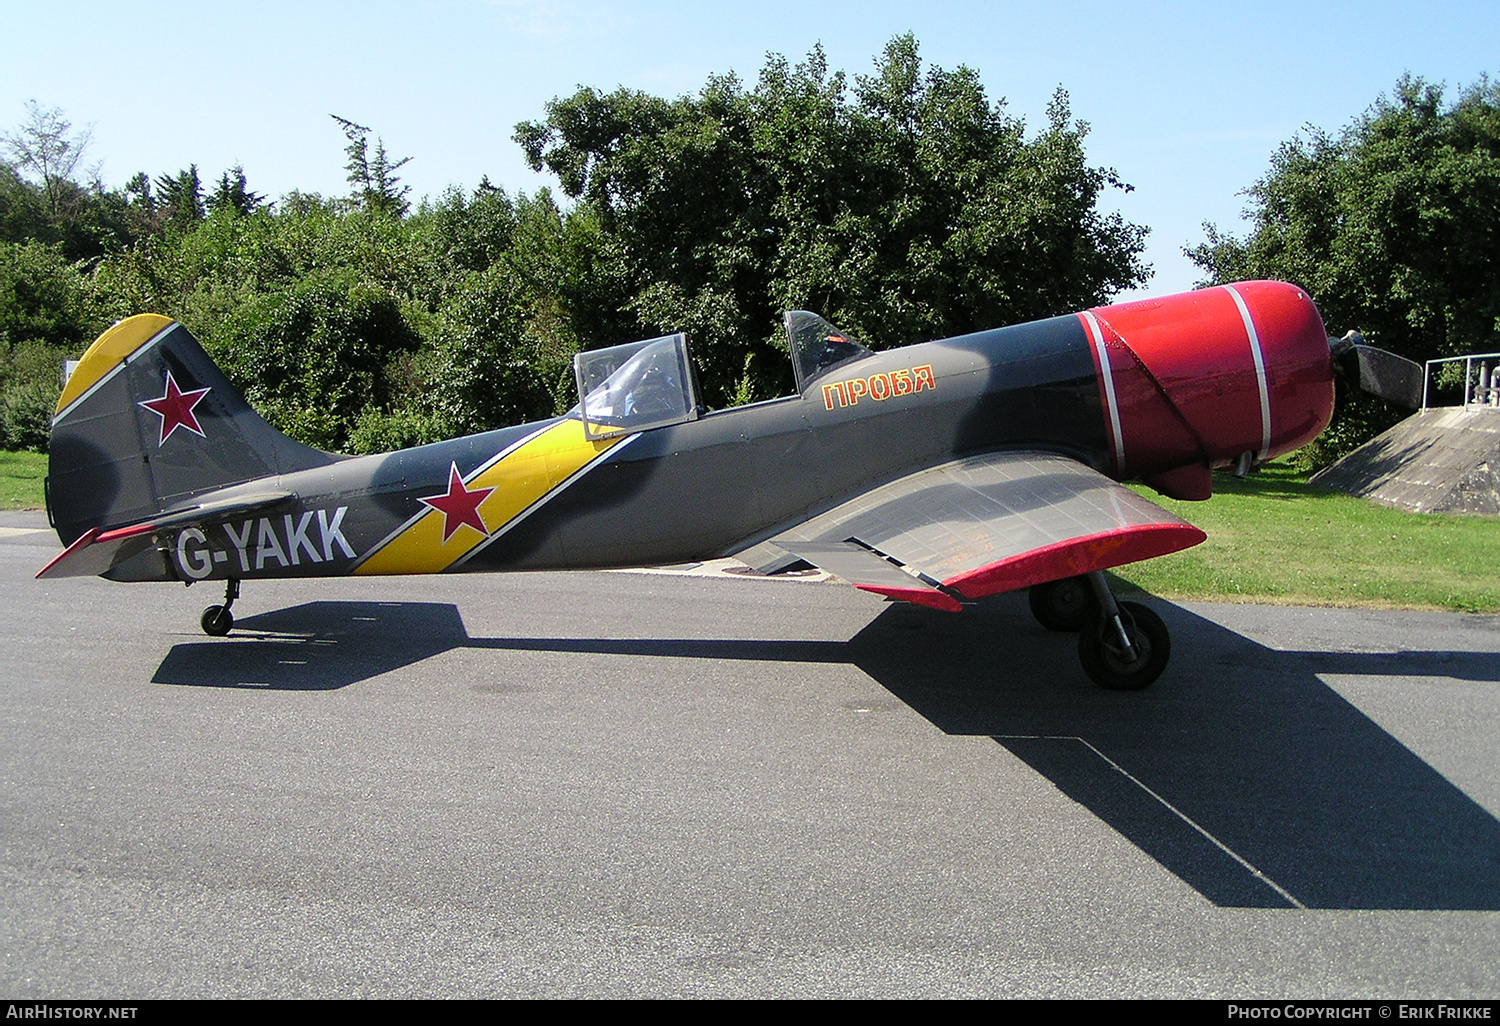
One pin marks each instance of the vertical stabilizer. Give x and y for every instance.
(146, 422)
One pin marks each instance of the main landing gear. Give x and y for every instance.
(218, 621)
(1123, 646)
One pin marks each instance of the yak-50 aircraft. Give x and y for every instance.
(938, 473)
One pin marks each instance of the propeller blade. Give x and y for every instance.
(1393, 378)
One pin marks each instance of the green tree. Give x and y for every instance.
(1392, 225)
(316, 313)
(312, 357)
(232, 193)
(46, 316)
(504, 275)
(179, 197)
(43, 298)
(46, 148)
(351, 329)
(41, 198)
(909, 208)
(373, 176)
(24, 214)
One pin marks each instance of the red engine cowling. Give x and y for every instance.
(1194, 381)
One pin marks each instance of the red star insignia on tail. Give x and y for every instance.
(460, 506)
(175, 408)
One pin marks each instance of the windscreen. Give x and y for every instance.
(817, 346)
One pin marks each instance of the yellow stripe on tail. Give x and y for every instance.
(109, 351)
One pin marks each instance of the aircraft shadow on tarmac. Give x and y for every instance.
(1240, 771)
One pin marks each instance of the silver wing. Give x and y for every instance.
(979, 526)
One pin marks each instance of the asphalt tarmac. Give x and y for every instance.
(642, 785)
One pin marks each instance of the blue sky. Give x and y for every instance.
(1186, 100)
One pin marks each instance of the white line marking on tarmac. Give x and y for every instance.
(1263, 878)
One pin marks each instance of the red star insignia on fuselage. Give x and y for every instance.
(460, 507)
(175, 408)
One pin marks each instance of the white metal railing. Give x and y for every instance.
(1480, 390)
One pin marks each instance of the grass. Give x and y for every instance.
(1271, 538)
(1274, 538)
(21, 476)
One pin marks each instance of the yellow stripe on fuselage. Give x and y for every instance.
(520, 479)
(108, 352)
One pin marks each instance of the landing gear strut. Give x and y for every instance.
(218, 621)
(1124, 646)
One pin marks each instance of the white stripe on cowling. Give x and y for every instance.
(1097, 335)
(1260, 372)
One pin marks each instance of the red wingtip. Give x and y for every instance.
(1077, 556)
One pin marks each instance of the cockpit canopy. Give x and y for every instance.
(817, 347)
(636, 386)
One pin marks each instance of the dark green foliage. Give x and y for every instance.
(507, 280)
(26, 416)
(180, 197)
(45, 316)
(43, 298)
(358, 330)
(30, 382)
(23, 210)
(305, 309)
(468, 234)
(90, 221)
(495, 368)
(1393, 226)
(913, 209)
(378, 431)
(313, 357)
(232, 193)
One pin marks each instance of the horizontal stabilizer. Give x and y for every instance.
(94, 552)
(98, 551)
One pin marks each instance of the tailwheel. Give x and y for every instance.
(1127, 663)
(218, 621)
(1064, 605)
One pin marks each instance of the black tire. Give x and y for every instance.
(1099, 649)
(217, 621)
(1065, 605)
